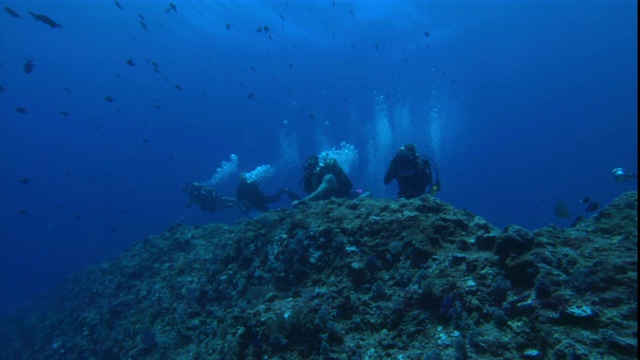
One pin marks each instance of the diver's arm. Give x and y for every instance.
(329, 182)
(226, 202)
(390, 174)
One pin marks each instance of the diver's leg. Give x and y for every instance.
(292, 195)
(268, 199)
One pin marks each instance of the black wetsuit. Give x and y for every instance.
(412, 173)
(250, 194)
(313, 180)
(207, 198)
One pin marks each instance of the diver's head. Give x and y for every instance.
(410, 148)
(311, 165)
(621, 175)
(191, 187)
(406, 156)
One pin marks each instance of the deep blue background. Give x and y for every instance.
(522, 104)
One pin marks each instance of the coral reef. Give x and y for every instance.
(351, 279)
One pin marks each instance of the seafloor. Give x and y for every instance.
(361, 279)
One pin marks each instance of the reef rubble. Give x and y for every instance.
(351, 279)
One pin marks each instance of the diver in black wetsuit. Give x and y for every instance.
(207, 198)
(323, 181)
(413, 173)
(250, 195)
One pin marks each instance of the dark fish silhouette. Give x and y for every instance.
(592, 207)
(250, 96)
(64, 113)
(178, 87)
(1, 88)
(426, 33)
(23, 212)
(228, 26)
(28, 67)
(24, 181)
(561, 211)
(21, 110)
(108, 99)
(144, 26)
(141, 17)
(46, 20)
(12, 12)
(172, 6)
(586, 200)
(130, 62)
(118, 5)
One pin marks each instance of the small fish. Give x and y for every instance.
(130, 62)
(177, 86)
(561, 211)
(12, 12)
(592, 207)
(144, 26)
(108, 99)
(21, 110)
(586, 200)
(46, 20)
(64, 113)
(1, 88)
(426, 33)
(28, 67)
(118, 5)
(250, 96)
(23, 212)
(67, 89)
(228, 26)
(172, 6)
(24, 181)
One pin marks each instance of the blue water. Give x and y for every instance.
(522, 105)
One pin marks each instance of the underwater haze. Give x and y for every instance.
(107, 109)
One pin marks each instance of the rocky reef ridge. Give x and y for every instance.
(351, 279)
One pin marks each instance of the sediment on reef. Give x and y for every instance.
(361, 279)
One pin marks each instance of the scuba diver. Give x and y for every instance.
(622, 175)
(324, 180)
(207, 198)
(413, 172)
(250, 195)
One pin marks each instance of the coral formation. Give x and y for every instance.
(351, 279)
